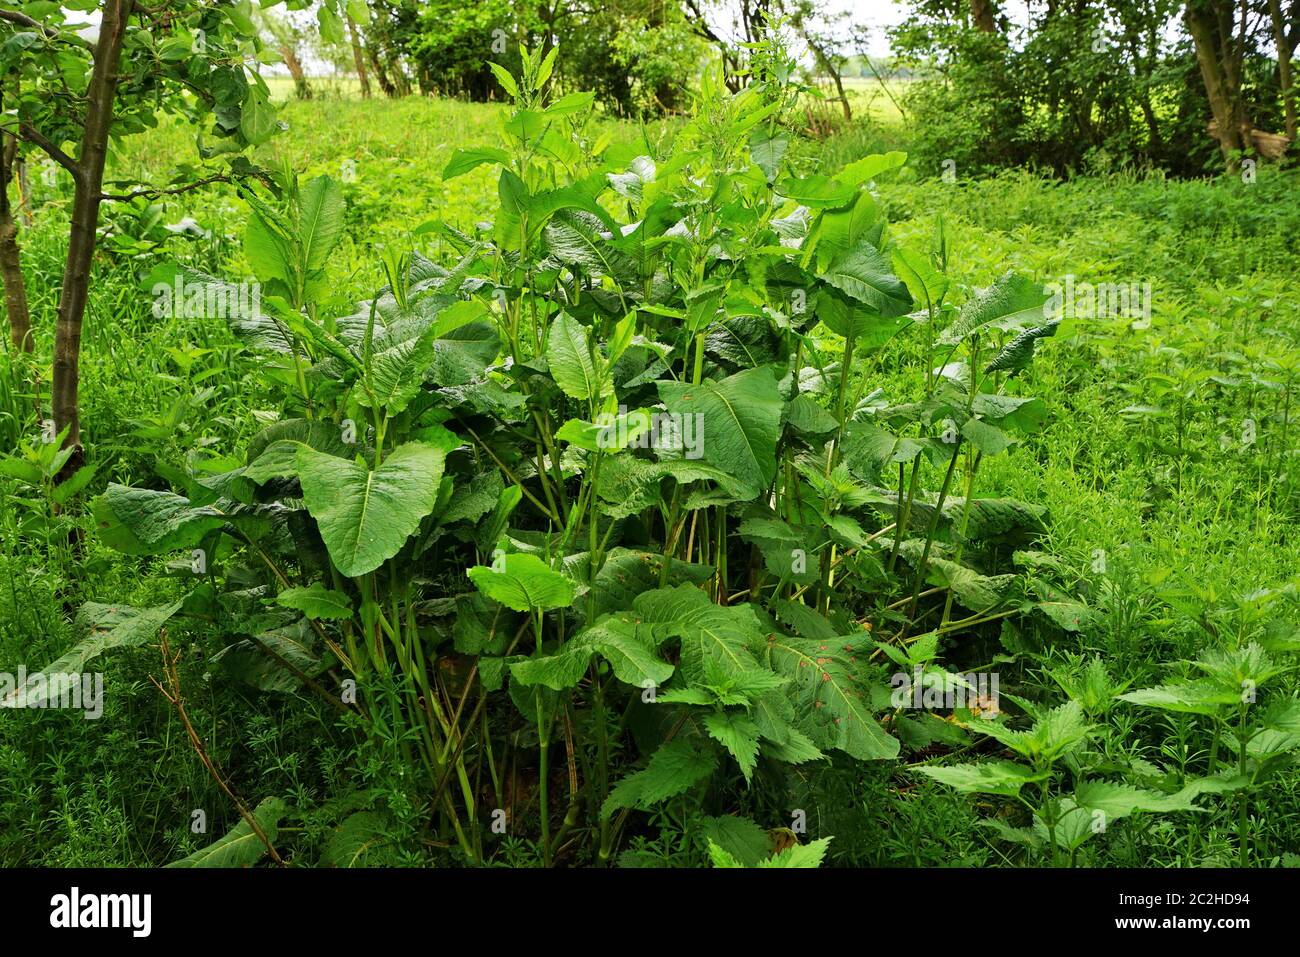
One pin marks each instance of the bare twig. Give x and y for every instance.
(173, 694)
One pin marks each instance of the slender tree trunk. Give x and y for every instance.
(377, 65)
(1215, 56)
(828, 65)
(359, 59)
(300, 84)
(1284, 66)
(20, 319)
(89, 181)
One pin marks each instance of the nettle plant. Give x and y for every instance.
(586, 519)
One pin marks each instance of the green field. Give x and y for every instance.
(1166, 472)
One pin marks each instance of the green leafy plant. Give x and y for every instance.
(592, 486)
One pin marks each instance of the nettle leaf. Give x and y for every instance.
(141, 521)
(525, 583)
(740, 424)
(365, 515)
(568, 353)
(1120, 800)
(317, 601)
(987, 777)
(715, 640)
(1052, 735)
(629, 648)
(111, 626)
(674, 769)
(739, 836)
(737, 733)
(1202, 696)
(629, 572)
(1012, 302)
(799, 855)
(834, 701)
(241, 847)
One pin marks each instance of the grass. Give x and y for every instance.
(1143, 469)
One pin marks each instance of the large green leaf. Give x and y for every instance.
(365, 515)
(241, 847)
(317, 601)
(1015, 355)
(568, 353)
(832, 697)
(1188, 697)
(320, 221)
(865, 275)
(987, 777)
(524, 583)
(674, 769)
(738, 733)
(111, 626)
(141, 521)
(619, 639)
(715, 640)
(1013, 302)
(739, 424)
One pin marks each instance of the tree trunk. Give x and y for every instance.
(827, 64)
(20, 319)
(300, 85)
(1220, 68)
(85, 217)
(981, 11)
(377, 65)
(359, 59)
(1284, 66)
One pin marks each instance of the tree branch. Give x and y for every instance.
(153, 192)
(32, 135)
(52, 33)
